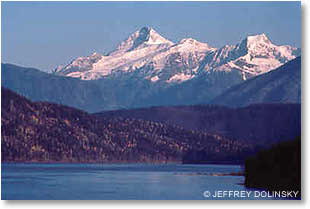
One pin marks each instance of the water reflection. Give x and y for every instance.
(117, 181)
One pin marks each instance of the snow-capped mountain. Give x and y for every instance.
(146, 52)
(148, 55)
(255, 55)
(282, 85)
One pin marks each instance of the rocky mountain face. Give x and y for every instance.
(282, 85)
(148, 55)
(45, 132)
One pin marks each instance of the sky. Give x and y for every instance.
(47, 34)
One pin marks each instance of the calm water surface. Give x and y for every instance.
(117, 181)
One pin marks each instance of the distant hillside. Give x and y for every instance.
(116, 92)
(262, 123)
(40, 86)
(40, 131)
(282, 85)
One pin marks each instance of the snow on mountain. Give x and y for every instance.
(79, 65)
(130, 54)
(179, 62)
(148, 55)
(282, 85)
(143, 38)
(255, 55)
(180, 77)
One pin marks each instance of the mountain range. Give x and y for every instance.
(149, 70)
(148, 55)
(152, 100)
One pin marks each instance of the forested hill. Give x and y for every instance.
(262, 123)
(277, 168)
(40, 131)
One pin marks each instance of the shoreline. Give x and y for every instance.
(119, 162)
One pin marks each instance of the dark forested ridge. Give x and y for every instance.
(40, 131)
(262, 123)
(277, 168)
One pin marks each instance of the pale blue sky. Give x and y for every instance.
(47, 34)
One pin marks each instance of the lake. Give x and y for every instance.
(37, 181)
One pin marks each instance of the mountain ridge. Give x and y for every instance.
(123, 91)
(149, 50)
(45, 132)
(282, 85)
(148, 70)
(263, 123)
(117, 92)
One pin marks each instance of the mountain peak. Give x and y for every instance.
(260, 38)
(146, 35)
(190, 43)
(143, 35)
(259, 44)
(146, 30)
(150, 36)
